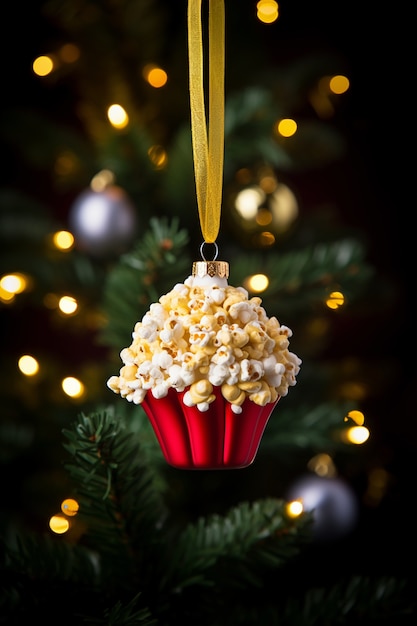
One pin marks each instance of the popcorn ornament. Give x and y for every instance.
(208, 367)
(206, 363)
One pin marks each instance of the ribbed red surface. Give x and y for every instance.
(214, 439)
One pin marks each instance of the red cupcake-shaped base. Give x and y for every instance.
(214, 439)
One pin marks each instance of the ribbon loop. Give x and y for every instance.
(208, 147)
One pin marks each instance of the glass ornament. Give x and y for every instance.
(104, 223)
(208, 367)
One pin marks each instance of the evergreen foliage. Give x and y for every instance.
(133, 564)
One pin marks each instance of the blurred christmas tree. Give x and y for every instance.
(309, 211)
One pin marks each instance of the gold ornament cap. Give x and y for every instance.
(213, 269)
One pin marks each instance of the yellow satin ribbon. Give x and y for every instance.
(208, 148)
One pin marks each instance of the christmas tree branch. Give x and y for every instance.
(120, 503)
(141, 276)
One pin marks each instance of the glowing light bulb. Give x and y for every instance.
(357, 416)
(73, 387)
(267, 11)
(70, 507)
(357, 435)
(335, 300)
(13, 283)
(155, 76)
(58, 524)
(286, 127)
(28, 365)
(63, 240)
(43, 65)
(339, 84)
(257, 283)
(294, 508)
(248, 201)
(117, 116)
(68, 305)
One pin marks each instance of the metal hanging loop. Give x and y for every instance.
(216, 250)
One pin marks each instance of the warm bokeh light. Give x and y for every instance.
(335, 300)
(286, 127)
(63, 240)
(68, 305)
(13, 283)
(69, 53)
(266, 238)
(155, 76)
(356, 435)
(263, 217)
(117, 116)
(70, 507)
(294, 508)
(284, 207)
(339, 84)
(28, 365)
(73, 387)
(322, 465)
(158, 157)
(101, 180)
(43, 65)
(6, 297)
(248, 200)
(256, 283)
(357, 416)
(267, 11)
(321, 96)
(59, 524)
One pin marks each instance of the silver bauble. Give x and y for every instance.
(103, 222)
(333, 503)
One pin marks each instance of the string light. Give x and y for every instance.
(267, 11)
(13, 283)
(43, 65)
(286, 127)
(257, 283)
(28, 365)
(59, 524)
(335, 300)
(155, 76)
(294, 508)
(73, 387)
(339, 84)
(70, 507)
(117, 116)
(321, 95)
(357, 434)
(67, 305)
(357, 416)
(63, 240)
